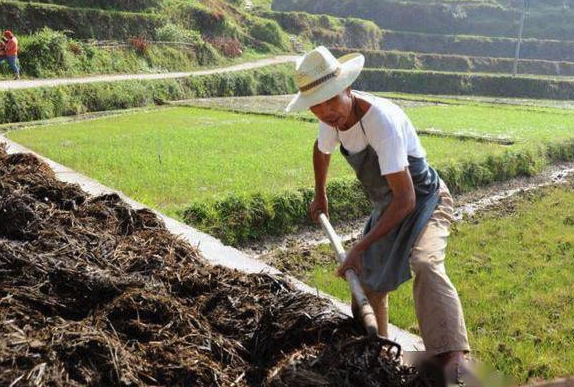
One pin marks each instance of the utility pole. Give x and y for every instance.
(525, 7)
(458, 15)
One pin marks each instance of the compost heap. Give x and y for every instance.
(95, 293)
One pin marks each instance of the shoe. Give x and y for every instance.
(429, 374)
(461, 371)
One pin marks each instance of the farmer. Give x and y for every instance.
(9, 52)
(412, 207)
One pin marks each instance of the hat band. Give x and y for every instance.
(320, 80)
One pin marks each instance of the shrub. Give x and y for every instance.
(175, 33)
(75, 48)
(361, 33)
(229, 47)
(140, 44)
(44, 52)
(269, 31)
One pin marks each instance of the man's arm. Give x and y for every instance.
(321, 163)
(403, 203)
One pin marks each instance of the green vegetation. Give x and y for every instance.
(512, 267)
(552, 50)
(43, 103)
(49, 53)
(457, 63)
(428, 82)
(481, 18)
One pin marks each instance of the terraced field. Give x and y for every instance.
(167, 158)
(227, 171)
(239, 168)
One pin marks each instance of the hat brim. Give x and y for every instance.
(351, 67)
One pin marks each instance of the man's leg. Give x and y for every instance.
(380, 304)
(438, 307)
(14, 65)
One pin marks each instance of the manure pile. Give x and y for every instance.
(95, 293)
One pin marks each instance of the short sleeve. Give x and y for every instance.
(387, 140)
(327, 138)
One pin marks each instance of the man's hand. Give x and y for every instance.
(320, 166)
(318, 205)
(353, 261)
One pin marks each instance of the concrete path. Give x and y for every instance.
(32, 83)
(211, 248)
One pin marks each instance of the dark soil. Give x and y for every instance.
(95, 293)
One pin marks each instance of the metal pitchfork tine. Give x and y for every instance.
(366, 311)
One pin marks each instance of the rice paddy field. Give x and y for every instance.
(512, 265)
(169, 157)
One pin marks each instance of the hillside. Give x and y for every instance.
(546, 20)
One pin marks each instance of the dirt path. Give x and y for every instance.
(466, 206)
(28, 84)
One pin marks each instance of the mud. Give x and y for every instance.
(467, 205)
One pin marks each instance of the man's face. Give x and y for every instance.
(335, 111)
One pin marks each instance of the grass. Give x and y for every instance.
(513, 269)
(168, 157)
(277, 103)
(516, 122)
(484, 117)
(482, 100)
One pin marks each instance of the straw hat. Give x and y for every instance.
(320, 76)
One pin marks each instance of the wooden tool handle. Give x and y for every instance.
(366, 311)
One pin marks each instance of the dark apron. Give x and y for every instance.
(386, 262)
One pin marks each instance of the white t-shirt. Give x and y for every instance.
(388, 130)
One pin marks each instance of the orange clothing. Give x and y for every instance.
(11, 47)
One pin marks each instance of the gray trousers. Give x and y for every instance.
(437, 305)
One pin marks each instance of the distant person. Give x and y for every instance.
(412, 207)
(9, 52)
